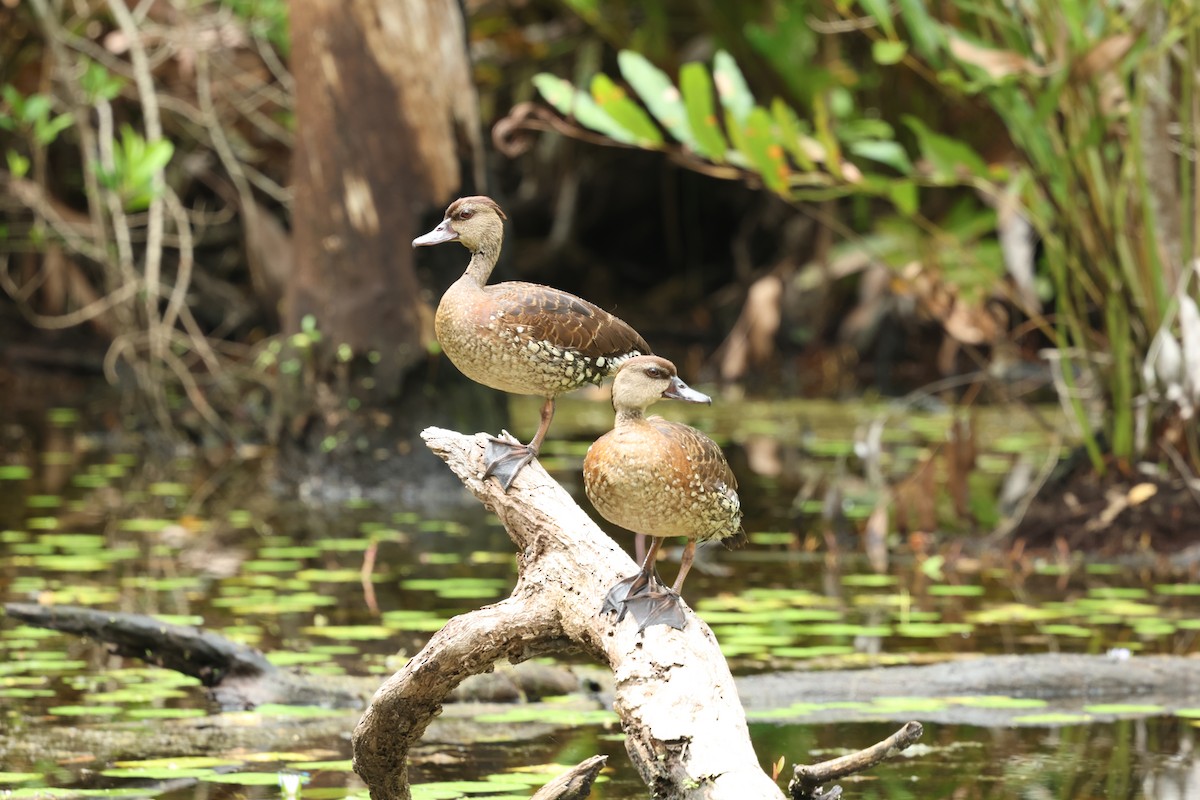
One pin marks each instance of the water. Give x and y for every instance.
(88, 519)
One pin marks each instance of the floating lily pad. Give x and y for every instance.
(157, 773)
(1061, 718)
(951, 590)
(9, 778)
(1000, 702)
(245, 778)
(85, 711)
(179, 762)
(360, 633)
(869, 580)
(165, 713)
(15, 472)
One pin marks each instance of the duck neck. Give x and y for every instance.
(483, 261)
(630, 416)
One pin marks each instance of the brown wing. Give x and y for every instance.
(704, 455)
(564, 321)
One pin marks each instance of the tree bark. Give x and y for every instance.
(684, 724)
(383, 100)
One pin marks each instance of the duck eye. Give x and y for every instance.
(466, 213)
(653, 372)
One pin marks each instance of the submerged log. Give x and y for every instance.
(238, 675)
(684, 725)
(241, 677)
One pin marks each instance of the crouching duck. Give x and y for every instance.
(521, 338)
(658, 478)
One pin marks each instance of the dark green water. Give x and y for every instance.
(89, 519)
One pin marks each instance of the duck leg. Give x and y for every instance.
(505, 459)
(685, 564)
(646, 597)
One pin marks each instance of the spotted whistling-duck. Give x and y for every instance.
(522, 338)
(658, 478)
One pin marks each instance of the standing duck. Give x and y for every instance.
(658, 478)
(517, 337)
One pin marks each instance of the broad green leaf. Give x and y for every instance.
(698, 99)
(764, 151)
(613, 100)
(658, 93)
(18, 164)
(825, 137)
(570, 102)
(157, 154)
(881, 12)
(886, 52)
(949, 158)
(905, 197)
(890, 153)
(731, 87)
(923, 31)
(790, 134)
(36, 106)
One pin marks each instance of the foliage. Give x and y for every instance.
(1084, 94)
(136, 166)
(105, 217)
(32, 116)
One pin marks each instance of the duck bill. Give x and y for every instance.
(442, 233)
(678, 390)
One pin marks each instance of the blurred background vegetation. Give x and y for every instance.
(793, 197)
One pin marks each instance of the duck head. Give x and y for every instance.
(475, 222)
(643, 380)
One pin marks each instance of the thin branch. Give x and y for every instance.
(144, 80)
(807, 778)
(77, 317)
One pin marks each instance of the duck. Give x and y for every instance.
(660, 479)
(517, 337)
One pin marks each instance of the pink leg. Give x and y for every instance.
(685, 564)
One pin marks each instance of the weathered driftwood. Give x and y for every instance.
(805, 779)
(684, 724)
(575, 783)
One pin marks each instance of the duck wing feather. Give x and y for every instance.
(563, 320)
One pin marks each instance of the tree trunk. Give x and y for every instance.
(383, 100)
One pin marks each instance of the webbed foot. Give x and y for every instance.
(617, 596)
(505, 459)
(645, 596)
(662, 607)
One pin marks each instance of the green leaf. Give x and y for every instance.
(18, 164)
(764, 151)
(923, 31)
(698, 99)
(570, 102)
(629, 115)
(881, 12)
(36, 106)
(905, 197)
(99, 84)
(948, 157)
(731, 87)
(890, 153)
(888, 52)
(46, 131)
(790, 134)
(658, 93)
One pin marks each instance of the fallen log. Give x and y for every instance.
(685, 729)
(240, 677)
